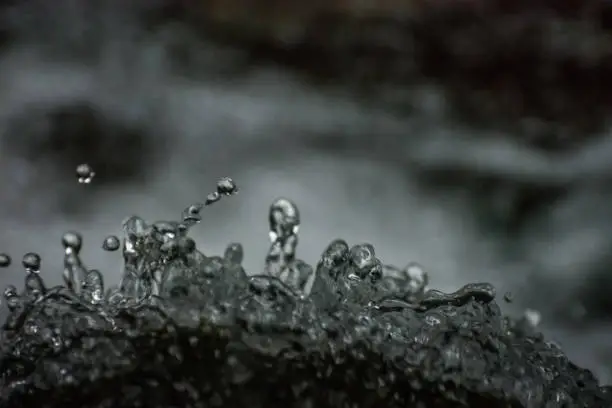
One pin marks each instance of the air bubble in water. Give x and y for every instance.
(5, 260)
(111, 243)
(31, 262)
(226, 186)
(85, 173)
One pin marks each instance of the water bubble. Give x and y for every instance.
(5, 260)
(85, 173)
(226, 186)
(111, 243)
(31, 262)
(72, 242)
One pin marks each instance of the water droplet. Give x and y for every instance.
(191, 215)
(72, 242)
(85, 173)
(5, 260)
(34, 285)
(31, 262)
(212, 198)
(111, 243)
(284, 219)
(226, 186)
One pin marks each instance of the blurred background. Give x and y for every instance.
(471, 136)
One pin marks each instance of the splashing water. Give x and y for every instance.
(166, 279)
(156, 256)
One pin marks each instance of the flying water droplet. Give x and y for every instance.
(111, 243)
(85, 173)
(31, 262)
(226, 186)
(5, 260)
(191, 215)
(212, 198)
(284, 218)
(72, 242)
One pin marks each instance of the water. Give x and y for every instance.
(169, 287)
(263, 126)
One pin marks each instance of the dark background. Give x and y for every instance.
(471, 137)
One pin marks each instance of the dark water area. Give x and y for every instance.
(477, 177)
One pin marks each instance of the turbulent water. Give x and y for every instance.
(186, 329)
(158, 132)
